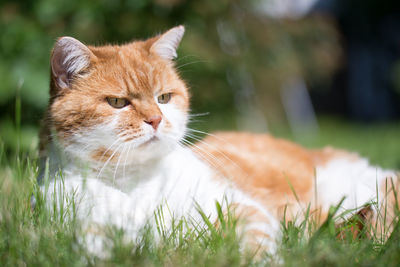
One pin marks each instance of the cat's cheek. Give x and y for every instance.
(87, 142)
(175, 120)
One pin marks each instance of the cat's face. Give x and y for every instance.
(118, 104)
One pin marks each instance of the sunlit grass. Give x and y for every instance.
(50, 237)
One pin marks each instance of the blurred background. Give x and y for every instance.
(319, 72)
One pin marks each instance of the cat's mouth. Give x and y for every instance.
(151, 140)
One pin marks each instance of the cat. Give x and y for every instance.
(116, 126)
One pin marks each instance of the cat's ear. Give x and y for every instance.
(69, 58)
(165, 46)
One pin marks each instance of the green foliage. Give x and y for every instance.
(50, 237)
(225, 42)
(28, 235)
(377, 142)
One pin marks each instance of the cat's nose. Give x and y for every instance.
(154, 121)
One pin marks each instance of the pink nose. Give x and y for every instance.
(154, 121)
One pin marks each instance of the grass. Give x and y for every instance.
(39, 237)
(46, 237)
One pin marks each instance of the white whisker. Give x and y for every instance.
(202, 150)
(108, 149)
(108, 160)
(218, 151)
(199, 114)
(185, 57)
(209, 134)
(190, 63)
(126, 158)
(119, 159)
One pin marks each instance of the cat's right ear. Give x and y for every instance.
(166, 44)
(69, 58)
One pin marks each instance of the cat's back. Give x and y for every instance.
(259, 162)
(278, 172)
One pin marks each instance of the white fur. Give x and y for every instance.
(356, 180)
(178, 182)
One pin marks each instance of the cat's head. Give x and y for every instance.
(118, 104)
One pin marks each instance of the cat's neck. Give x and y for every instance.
(125, 176)
(128, 176)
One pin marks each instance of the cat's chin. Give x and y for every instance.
(151, 141)
(155, 148)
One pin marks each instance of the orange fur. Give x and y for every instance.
(103, 154)
(262, 165)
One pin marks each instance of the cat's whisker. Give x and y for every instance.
(200, 139)
(203, 152)
(186, 143)
(108, 149)
(119, 159)
(130, 138)
(199, 114)
(200, 155)
(108, 160)
(86, 147)
(126, 158)
(193, 117)
(209, 134)
(185, 57)
(194, 120)
(214, 161)
(207, 159)
(218, 151)
(190, 63)
(83, 149)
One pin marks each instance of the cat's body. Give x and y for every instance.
(116, 118)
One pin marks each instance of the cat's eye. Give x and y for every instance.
(116, 102)
(164, 98)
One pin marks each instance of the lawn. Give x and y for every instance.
(41, 237)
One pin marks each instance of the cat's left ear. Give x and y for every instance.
(69, 58)
(165, 46)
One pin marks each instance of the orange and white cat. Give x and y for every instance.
(115, 125)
